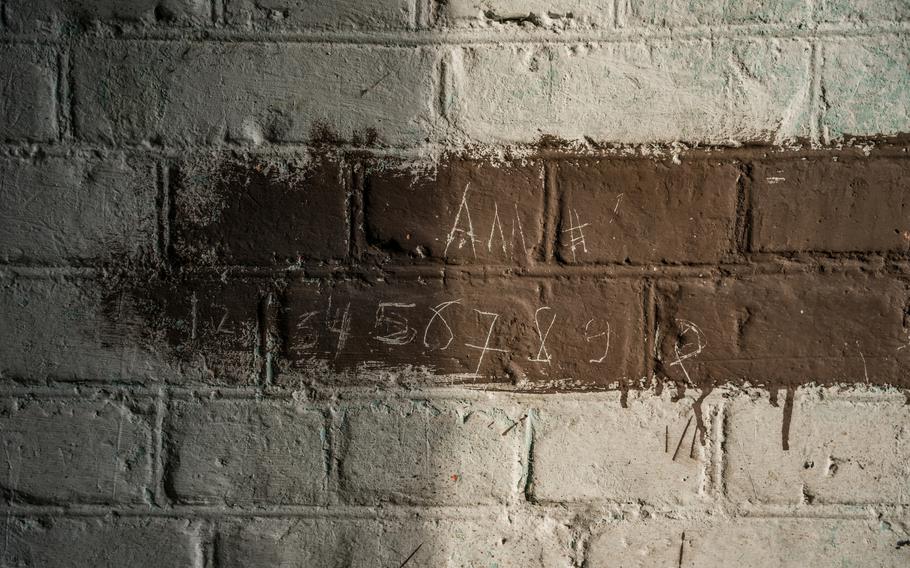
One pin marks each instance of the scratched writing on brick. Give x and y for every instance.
(459, 335)
(468, 233)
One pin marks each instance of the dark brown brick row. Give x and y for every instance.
(831, 204)
(647, 211)
(464, 212)
(481, 331)
(260, 211)
(778, 329)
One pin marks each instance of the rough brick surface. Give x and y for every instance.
(58, 15)
(516, 542)
(548, 13)
(713, 12)
(243, 452)
(161, 93)
(62, 329)
(641, 211)
(27, 99)
(862, 11)
(789, 543)
(74, 451)
(322, 14)
(866, 87)
(841, 451)
(60, 210)
(442, 454)
(524, 334)
(76, 543)
(260, 211)
(623, 92)
(209, 330)
(847, 205)
(582, 452)
(771, 330)
(464, 212)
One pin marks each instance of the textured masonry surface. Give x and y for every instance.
(557, 283)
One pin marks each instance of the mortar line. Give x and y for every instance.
(881, 146)
(552, 209)
(895, 266)
(616, 19)
(395, 511)
(435, 37)
(62, 102)
(649, 311)
(414, 14)
(721, 429)
(745, 207)
(160, 497)
(162, 205)
(818, 110)
(527, 452)
(322, 394)
(442, 71)
(356, 180)
(216, 12)
(207, 534)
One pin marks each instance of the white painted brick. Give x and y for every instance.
(57, 210)
(73, 451)
(320, 14)
(27, 99)
(80, 543)
(547, 13)
(862, 11)
(866, 86)
(519, 542)
(53, 15)
(441, 452)
(712, 12)
(177, 93)
(784, 543)
(691, 91)
(240, 452)
(590, 449)
(841, 451)
(62, 329)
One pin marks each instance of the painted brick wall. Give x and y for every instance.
(476, 283)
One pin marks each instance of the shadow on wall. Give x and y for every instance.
(305, 310)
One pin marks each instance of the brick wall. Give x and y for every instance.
(468, 283)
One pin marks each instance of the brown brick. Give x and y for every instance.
(793, 329)
(832, 205)
(210, 328)
(464, 212)
(362, 326)
(260, 211)
(643, 211)
(384, 326)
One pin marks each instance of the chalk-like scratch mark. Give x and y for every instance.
(863, 357)
(589, 338)
(681, 438)
(687, 326)
(116, 455)
(437, 313)
(410, 556)
(577, 234)
(616, 207)
(463, 206)
(486, 346)
(542, 355)
(366, 90)
(194, 313)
